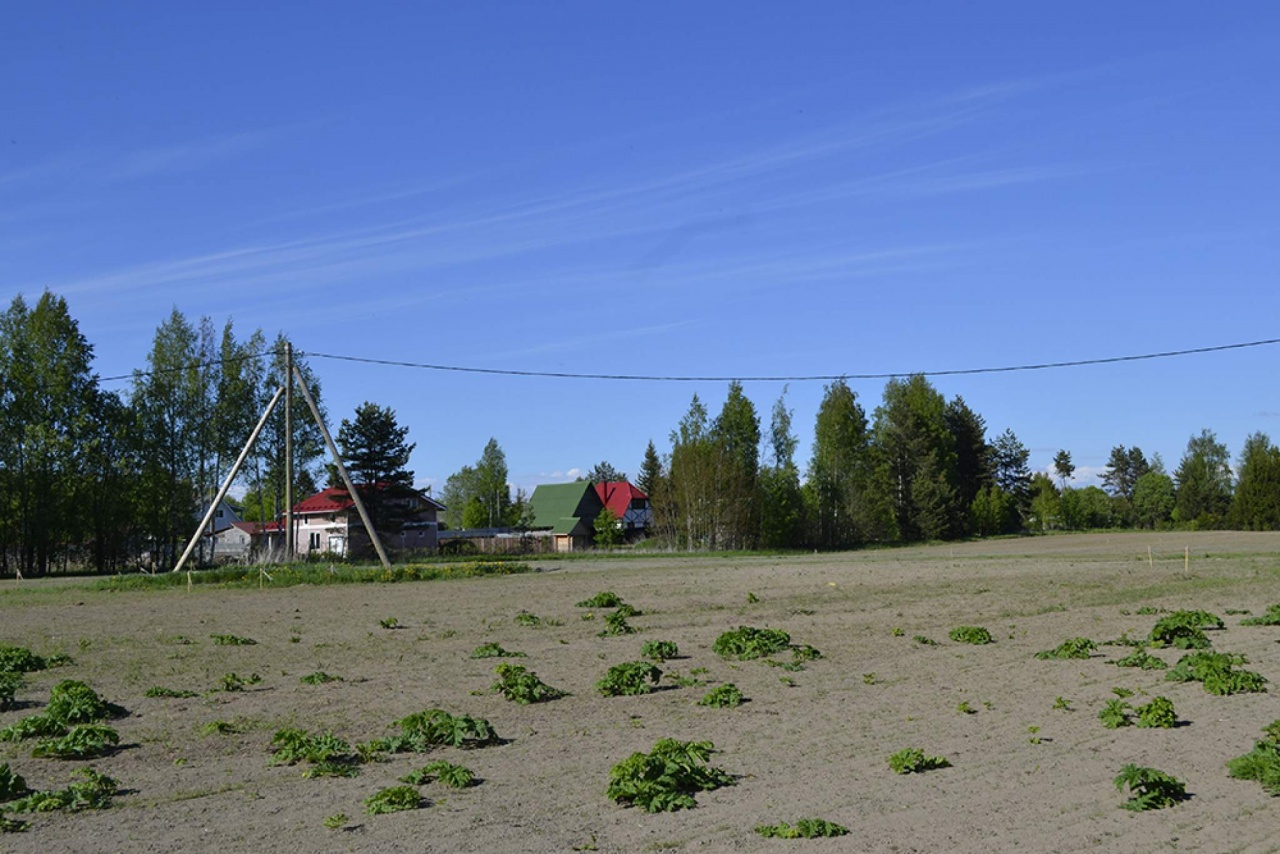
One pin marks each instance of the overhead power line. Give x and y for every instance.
(511, 372)
(1041, 366)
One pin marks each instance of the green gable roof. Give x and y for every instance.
(566, 508)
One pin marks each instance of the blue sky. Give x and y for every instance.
(716, 189)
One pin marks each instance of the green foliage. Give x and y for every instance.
(924, 641)
(82, 741)
(319, 678)
(1115, 714)
(628, 610)
(337, 821)
(392, 799)
(292, 745)
(32, 726)
(752, 599)
(532, 621)
(1263, 762)
(659, 650)
(608, 529)
(1142, 659)
(426, 730)
(233, 682)
(1158, 713)
(390, 623)
(629, 679)
(746, 643)
(159, 691)
(726, 696)
(911, 760)
(12, 785)
(616, 624)
(1062, 704)
(219, 727)
(1183, 629)
(1149, 789)
(12, 825)
(520, 685)
(804, 652)
(89, 790)
(1070, 648)
(971, 634)
(376, 453)
(805, 828)
(603, 599)
(232, 640)
(73, 702)
(239, 577)
(19, 659)
(1217, 672)
(10, 683)
(494, 650)
(1271, 617)
(1122, 693)
(964, 708)
(667, 778)
(453, 776)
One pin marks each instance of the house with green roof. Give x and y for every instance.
(568, 511)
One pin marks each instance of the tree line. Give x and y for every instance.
(92, 478)
(918, 468)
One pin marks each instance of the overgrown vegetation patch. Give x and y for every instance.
(1070, 648)
(745, 643)
(912, 760)
(726, 696)
(1218, 672)
(659, 650)
(427, 730)
(451, 775)
(291, 576)
(805, 828)
(494, 649)
(1271, 617)
(629, 679)
(1262, 763)
(668, 777)
(89, 790)
(521, 685)
(971, 634)
(1149, 788)
(1141, 659)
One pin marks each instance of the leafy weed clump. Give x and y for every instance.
(971, 634)
(1217, 672)
(232, 640)
(745, 643)
(911, 760)
(629, 679)
(521, 685)
(12, 785)
(32, 726)
(603, 599)
(19, 659)
(453, 776)
(726, 696)
(328, 755)
(319, 678)
(1158, 713)
(616, 624)
(668, 777)
(1149, 788)
(10, 684)
(1142, 659)
(393, 799)
(924, 640)
(1115, 714)
(427, 730)
(1070, 648)
(73, 702)
(1271, 617)
(82, 741)
(805, 828)
(233, 682)
(1262, 763)
(89, 790)
(171, 693)
(494, 649)
(659, 651)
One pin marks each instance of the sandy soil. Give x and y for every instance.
(815, 748)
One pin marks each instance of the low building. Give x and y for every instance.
(568, 511)
(629, 504)
(328, 523)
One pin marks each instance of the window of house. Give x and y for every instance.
(313, 542)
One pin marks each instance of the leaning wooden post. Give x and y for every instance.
(342, 470)
(231, 476)
(1150, 563)
(1186, 560)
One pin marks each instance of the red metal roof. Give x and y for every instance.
(617, 496)
(331, 500)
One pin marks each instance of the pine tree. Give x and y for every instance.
(376, 454)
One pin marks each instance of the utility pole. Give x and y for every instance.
(288, 451)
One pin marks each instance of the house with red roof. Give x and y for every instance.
(328, 523)
(629, 504)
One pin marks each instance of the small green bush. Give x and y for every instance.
(158, 691)
(232, 640)
(73, 702)
(393, 799)
(494, 650)
(1070, 648)
(1115, 714)
(1157, 713)
(1149, 789)
(911, 760)
(453, 776)
(1142, 659)
(726, 696)
(659, 651)
(524, 618)
(1271, 617)
(319, 678)
(1217, 672)
(89, 790)
(19, 659)
(629, 679)
(805, 828)
(32, 726)
(1262, 763)
(603, 599)
(12, 785)
(427, 730)
(521, 685)
(971, 634)
(82, 741)
(668, 777)
(616, 624)
(745, 643)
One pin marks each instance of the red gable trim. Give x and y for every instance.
(617, 495)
